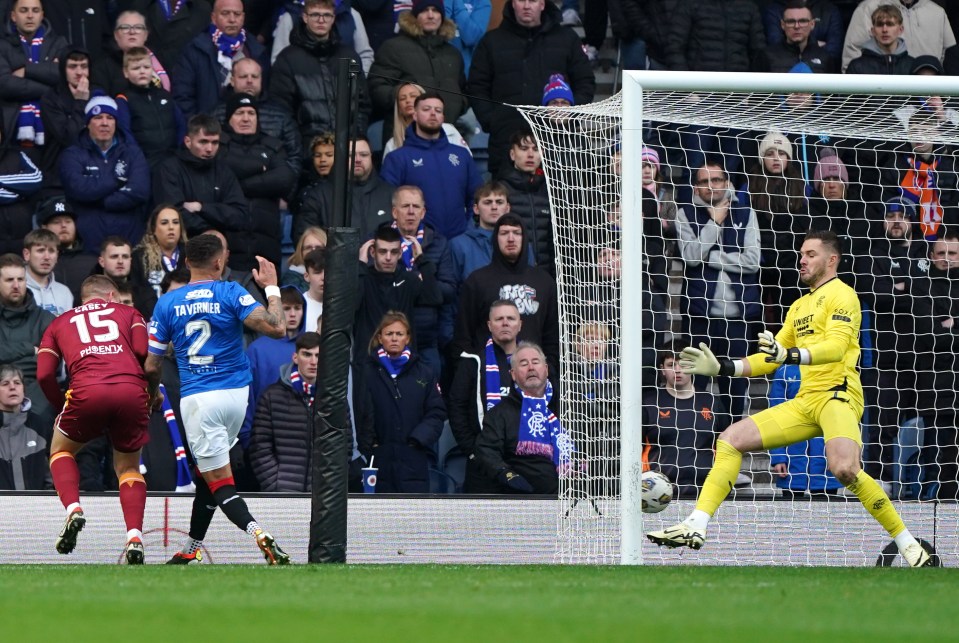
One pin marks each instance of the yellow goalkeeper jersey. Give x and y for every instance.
(824, 322)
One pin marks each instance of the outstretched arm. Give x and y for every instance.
(269, 320)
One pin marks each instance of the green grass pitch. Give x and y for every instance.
(426, 603)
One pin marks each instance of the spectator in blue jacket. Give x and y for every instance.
(106, 177)
(400, 409)
(203, 70)
(445, 172)
(800, 468)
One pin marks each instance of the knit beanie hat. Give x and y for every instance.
(775, 140)
(651, 156)
(829, 166)
(557, 88)
(100, 105)
(420, 5)
(236, 101)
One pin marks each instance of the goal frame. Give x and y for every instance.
(634, 84)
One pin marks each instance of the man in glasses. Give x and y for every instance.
(797, 44)
(303, 78)
(719, 244)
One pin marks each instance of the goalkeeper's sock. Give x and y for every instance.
(877, 503)
(721, 478)
(66, 478)
(230, 503)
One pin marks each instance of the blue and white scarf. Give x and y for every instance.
(29, 123)
(184, 481)
(493, 395)
(540, 432)
(301, 386)
(393, 365)
(408, 258)
(227, 45)
(170, 263)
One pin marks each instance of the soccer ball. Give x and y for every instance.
(657, 492)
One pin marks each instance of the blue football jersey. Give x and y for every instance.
(204, 322)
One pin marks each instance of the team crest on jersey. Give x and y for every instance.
(819, 301)
(454, 160)
(202, 293)
(120, 169)
(922, 265)
(247, 300)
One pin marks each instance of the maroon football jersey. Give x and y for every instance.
(100, 343)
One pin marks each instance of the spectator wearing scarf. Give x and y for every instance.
(483, 379)
(432, 324)
(203, 70)
(523, 446)
(400, 410)
(281, 444)
(173, 24)
(29, 49)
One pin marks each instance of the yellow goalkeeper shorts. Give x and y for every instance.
(830, 414)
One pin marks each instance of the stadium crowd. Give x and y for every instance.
(129, 126)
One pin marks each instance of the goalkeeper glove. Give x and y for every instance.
(776, 352)
(514, 481)
(701, 361)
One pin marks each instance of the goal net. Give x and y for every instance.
(678, 209)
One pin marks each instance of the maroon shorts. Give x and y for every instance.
(120, 410)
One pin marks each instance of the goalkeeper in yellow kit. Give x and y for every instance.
(821, 335)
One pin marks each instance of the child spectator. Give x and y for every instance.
(148, 111)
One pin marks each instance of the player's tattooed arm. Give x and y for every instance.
(153, 369)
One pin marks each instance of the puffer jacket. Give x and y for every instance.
(715, 35)
(282, 443)
(427, 59)
(303, 81)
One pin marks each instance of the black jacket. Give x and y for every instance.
(495, 448)
(303, 81)
(259, 163)
(530, 287)
(874, 61)
(715, 35)
(529, 201)
(398, 423)
(83, 23)
(426, 59)
(282, 443)
(781, 57)
(20, 180)
(38, 77)
(276, 122)
(512, 64)
(400, 291)
(371, 205)
(155, 121)
(184, 177)
(21, 330)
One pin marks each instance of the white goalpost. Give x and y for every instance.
(867, 131)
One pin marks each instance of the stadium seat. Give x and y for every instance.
(440, 482)
(287, 244)
(455, 468)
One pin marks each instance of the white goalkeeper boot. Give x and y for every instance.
(679, 535)
(915, 555)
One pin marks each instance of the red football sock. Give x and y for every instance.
(66, 477)
(133, 498)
